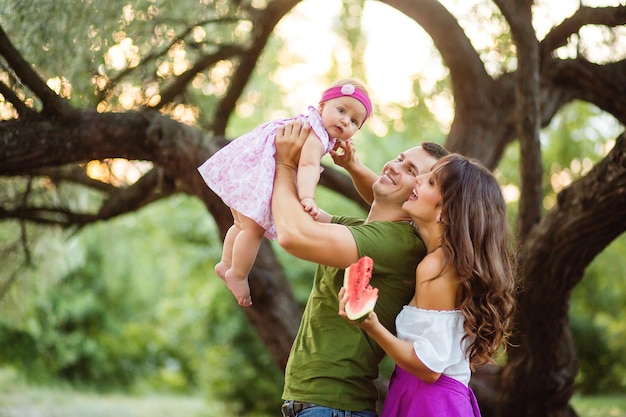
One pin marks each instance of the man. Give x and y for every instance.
(333, 364)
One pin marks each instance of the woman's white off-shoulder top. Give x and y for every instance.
(437, 340)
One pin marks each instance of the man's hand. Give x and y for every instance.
(289, 141)
(344, 154)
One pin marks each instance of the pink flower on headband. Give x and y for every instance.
(347, 89)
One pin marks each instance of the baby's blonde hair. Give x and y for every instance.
(354, 81)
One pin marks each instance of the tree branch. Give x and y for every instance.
(182, 81)
(477, 96)
(602, 85)
(75, 174)
(149, 188)
(263, 27)
(527, 100)
(588, 216)
(467, 71)
(592, 210)
(28, 145)
(103, 94)
(22, 109)
(52, 103)
(341, 183)
(46, 216)
(559, 35)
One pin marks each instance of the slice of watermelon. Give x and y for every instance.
(361, 295)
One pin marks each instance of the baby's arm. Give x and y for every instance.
(310, 206)
(309, 173)
(324, 217)
(363, 178)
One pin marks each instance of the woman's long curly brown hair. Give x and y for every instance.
(476, 243)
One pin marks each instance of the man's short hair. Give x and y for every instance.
(434, 149)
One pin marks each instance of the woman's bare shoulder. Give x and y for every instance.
(431, 266)
(436, 283)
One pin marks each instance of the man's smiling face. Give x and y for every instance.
(397, 178)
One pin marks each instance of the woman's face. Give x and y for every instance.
(425, 202)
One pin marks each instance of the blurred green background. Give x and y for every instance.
(127, 318)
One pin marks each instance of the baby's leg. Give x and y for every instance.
(245, 250)
(227, 251)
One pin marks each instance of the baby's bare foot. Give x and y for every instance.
(220, 270)
(239, 287)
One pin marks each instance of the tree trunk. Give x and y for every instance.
(538, 378)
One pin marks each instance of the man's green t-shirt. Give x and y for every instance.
(333, 362)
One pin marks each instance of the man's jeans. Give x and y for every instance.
(319, 411)
(330, 412)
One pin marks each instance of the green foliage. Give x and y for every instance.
(84, 44)
(599, 406)
(598, 322)
(63, 38)
(579, 130)
(237, 367)
(140, 307)
(599, 370)
(577, 138)
(17, 347)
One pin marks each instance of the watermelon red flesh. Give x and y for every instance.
(361, 295)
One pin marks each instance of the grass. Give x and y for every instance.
(600, 406)
(46, 403)
(18, 399)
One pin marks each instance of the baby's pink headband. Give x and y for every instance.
(352, 91)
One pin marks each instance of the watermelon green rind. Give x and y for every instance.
(362, 296)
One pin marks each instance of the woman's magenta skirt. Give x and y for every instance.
(409, 396)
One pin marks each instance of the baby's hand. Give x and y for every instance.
(310, 206)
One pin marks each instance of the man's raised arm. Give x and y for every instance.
(300, 235)
(362, 177)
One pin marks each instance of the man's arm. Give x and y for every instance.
(362, 177)
(301, 236)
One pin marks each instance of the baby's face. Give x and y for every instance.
(342, 116)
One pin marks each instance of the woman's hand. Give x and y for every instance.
(366, 323)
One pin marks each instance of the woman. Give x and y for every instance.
(461, 310)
